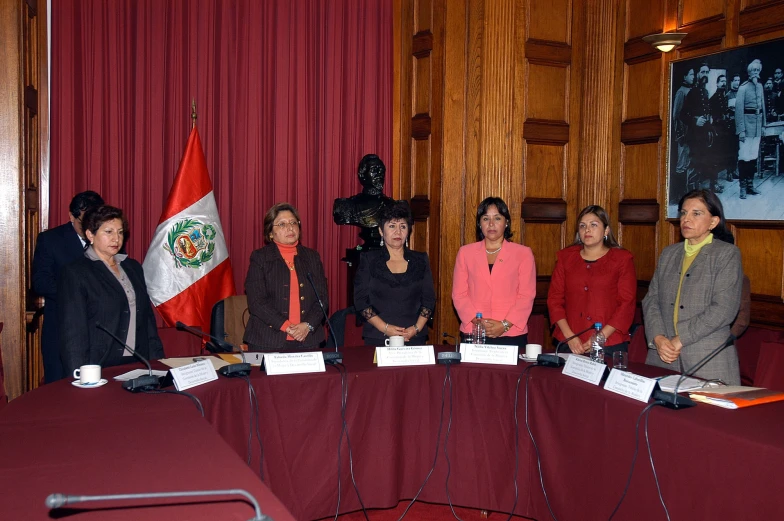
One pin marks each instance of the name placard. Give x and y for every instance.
(630, 385)
(584, 369)
(191, 375)
(489, 354)
(405, 356)
(294, 363)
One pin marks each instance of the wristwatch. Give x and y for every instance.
(507, 325)
(310, 328)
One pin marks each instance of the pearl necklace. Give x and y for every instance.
(495, 251)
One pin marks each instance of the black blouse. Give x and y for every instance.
(397, 298)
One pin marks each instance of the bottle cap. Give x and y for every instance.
(597, 325)
(478, 315)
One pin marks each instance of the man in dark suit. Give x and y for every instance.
(54, 249)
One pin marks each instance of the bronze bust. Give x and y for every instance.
(364, 209)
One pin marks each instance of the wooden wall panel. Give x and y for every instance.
(549, 20)
(423, 15)
(545, 166)
(694, 11)
(641, 241)
(640, 172)
(643, 83)
(547, 90)
(422, 84)
(545, 239)
(763, 259)
(644, 17)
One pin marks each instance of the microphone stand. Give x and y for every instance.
(674, 400)
(230, 370)
(337, 356)
(552, 359)
(140, 383)
(450, 357)
(54, 501)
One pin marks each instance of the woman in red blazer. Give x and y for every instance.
(593, 281)
(495, 277)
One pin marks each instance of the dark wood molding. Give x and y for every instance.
(638, 211)
(422, 44)
(420, 208)
(636, 50)
(703, 33)
(545, 52)
(641, 130)
(545, 131)
(541, 210)
(761, 18)
(767, 311)
(420, 126)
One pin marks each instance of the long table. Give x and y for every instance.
(710, 462)
(61, 439)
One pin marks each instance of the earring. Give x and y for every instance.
(406, 242)
(382, 241)
(605, 238)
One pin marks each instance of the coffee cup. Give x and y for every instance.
(533, 350)
(88, 374)
(394, 341)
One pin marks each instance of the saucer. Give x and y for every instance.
(527, 359)
(80, 385)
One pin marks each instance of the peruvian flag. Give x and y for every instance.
(187, 268)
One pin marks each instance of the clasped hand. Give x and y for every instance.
(493, 328)
(406, 332)
(669, 349)
(298, 331)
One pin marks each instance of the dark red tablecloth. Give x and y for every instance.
(711, 462)
(107, 441)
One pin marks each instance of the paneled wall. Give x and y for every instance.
(553, 105)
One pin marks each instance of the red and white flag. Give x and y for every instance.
(187, 268)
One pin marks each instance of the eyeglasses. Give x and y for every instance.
(282, 225)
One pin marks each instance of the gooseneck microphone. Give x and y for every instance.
(140, 383)
(674, 400)
(60, 500)
(230, 370)
(552, 359)
(337, 356)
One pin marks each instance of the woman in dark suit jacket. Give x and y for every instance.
(495, 277)
(593, 281)
(695, 294)
(393, 287)
(284, 312)
(105, 287)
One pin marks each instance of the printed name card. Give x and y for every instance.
(584, 369)
(630, 385)
(404, 356)
(489, 354)
(191, 375)
(294, 363)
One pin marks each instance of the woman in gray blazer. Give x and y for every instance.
(695, 294)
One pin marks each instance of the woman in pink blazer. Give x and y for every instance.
(495, 277)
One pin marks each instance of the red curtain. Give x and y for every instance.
(290, 95)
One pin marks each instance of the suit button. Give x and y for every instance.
(302, 298)
(302, 312)
(681, 307)
(688, 274)
(588, 319)
(586, 288)
(588, 266)
(301, 285)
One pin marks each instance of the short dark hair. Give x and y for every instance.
(83, 201)
(95, 217)
(502, 209)
(715, 208)
(720, 76)
(599, 212)
(272, 214)
(396, 210)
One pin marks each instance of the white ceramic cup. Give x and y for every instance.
(394, 341)
(88, 374)
(532, 350)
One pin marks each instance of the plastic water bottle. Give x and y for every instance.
(597, 344)
(479, 330)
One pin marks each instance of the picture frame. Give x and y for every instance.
(704, 147)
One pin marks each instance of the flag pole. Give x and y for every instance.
(193, 113)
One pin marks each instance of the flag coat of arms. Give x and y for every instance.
(187, 267)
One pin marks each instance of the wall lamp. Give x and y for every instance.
(665, 42)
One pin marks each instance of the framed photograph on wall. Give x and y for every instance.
(726, 130)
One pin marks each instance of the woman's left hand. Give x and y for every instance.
(298, 331)
(493, 328)
(409, 333)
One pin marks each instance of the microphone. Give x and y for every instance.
(674, 400)
(230, 370)
(447, 335)
(337, 356)
(60, 500)
(140, 383)
(450, 357)
(552, 359)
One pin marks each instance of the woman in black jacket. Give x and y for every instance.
(393, 287)
(107, 288)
